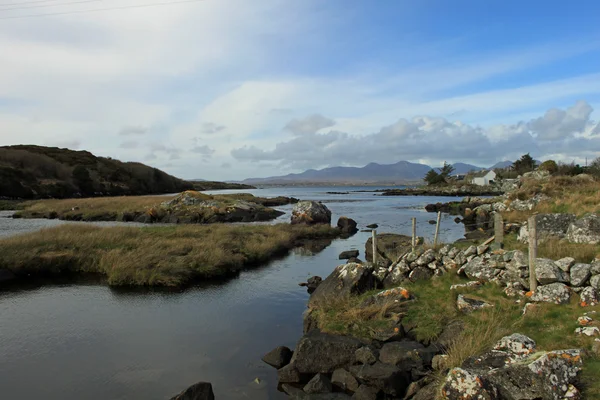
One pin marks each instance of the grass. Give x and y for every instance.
(10, 205)
(130, 207)
(161, 256)
(551, 326)
(556, 249)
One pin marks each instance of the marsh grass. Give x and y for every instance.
(163, 256)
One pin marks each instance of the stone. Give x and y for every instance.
(519, 260)
(595, 282)
(405, 354)
(589, 297)
(468, 305)
(468, 285)
(471, 251)
(460, 259)
(557, 293)
(453, 252)
(450, 333)
(572, 393)
(585, 230)
(584, 321)
(345, 280)
(426, 258)
(548, 272)
(366, 355)
(313, 283)
(548, 226)
(439, 361)
(365, 392)
(385, 377)
(432, 266)
(478, 269)
(380, 273)
(198, 391)
(347, 225)
(318, 352)
(588, 331)
(517, 344)
(310, 212)
(289, 374)
(278, 357)
(461, 384)
(580, 273)
(389, 247)
(481, 249)
(298, 394)
(596, 266)
(318, 384)
(420, 273)
(373, 226)
(344, 380)
(397, 274)
(565, 263)
(345, 255)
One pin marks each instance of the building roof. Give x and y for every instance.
(481, 174)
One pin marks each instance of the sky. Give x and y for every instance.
(232, 89)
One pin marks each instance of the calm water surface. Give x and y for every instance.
(88, 341)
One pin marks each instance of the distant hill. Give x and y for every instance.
(28, 172)
(502, 165)
(403, 172)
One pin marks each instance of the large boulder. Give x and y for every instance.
(385, 377)
(344, 380)
(323, 353)
(318, 384)
(311, 212)
(585, 230)
(278, 357)
(557, 293)
(347, 225)
(547, 272)
(580, 274)
(199, 391)
(405, 355)
(390, 247)
(345, 280)
(548, 226)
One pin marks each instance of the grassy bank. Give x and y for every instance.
(551, 326)
(129, 208)
(10, 205)
(163, 256)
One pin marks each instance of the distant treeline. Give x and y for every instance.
(28, 172)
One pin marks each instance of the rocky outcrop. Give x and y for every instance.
(450, 191)
(345, 280)
(548, 226)
(199, 391)
(389, 245)
(513, 370)
(585, 230)
(311, 212)
(322, 353)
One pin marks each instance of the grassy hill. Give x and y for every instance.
(29, 172)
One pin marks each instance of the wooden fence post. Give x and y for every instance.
(531, 225)
(498, 231)
(374, 233)
(437, 229)
(414, 233)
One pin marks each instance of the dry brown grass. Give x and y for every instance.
(164, 256)
(556, 249)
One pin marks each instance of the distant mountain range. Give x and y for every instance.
(403, 172)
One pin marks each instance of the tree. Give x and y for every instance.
(82, 179)
(595, 167)
(524, 164)
(446, 170)
(550, 166)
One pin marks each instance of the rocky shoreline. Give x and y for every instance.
(444, 191)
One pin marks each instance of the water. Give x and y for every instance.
(86, 340)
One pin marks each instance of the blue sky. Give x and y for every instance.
(232, 89)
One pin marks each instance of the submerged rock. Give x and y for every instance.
(199, 391)
(278, 357)
(311, 212)
(348, 254)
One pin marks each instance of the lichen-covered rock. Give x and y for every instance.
(460, 259)
(557, 293)
(345, 280)
(479, 269)
(589, 297)
(481, 249)
(426, 258)
(318, 352)
(548, 226)
(366, 355)
(318, 384)
(585, 230)
(344, 380)
(461, 384)
(565, 263)
(584, 321)
(468, 305)
(471, 251)
(517, 344)
(405, 354)
(397, 274)
(311, 212)
(580, 273)
(595, 282)
(420, 273)
(468, 285)
(588, 331)
(547, 272)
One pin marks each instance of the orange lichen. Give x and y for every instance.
(529, 294)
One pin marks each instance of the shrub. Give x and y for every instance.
(550, 166)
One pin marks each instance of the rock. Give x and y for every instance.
(420, 273)
(425, 258)
(468, 305)
(453, 252)
(428, 392)
(297, 394)
(313, 283)
(478, 269)
(389, 247)
(310, 212)
(471, 251)
(322, 353)
(588, 331)
(596, 266)
(318, 384)
(345, 280)
(580, 273)
(385, 377)
(199, 391)
(289, 374)
(405, 354)
(589, 297)
(439, 361)
(6, 275)
(366, 355)
(595, 282)
(380, 273)
(557, 293)
(539, 174)
(585, 230)
(365, 392)
(572, 394)
(345, 255)
(517, 344)
(278, 357)
(548, 226)
(373, 226)
(481, 249)
(584, 321)
(450, 333)
(396, 275)
(460, 259)
(432, 222)
(565, 264)
(347, 225)
(468, 285)
(461, 384)
(548, 272)
(344, 380)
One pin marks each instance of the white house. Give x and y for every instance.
(484, 178)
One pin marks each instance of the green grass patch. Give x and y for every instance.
(9, 205)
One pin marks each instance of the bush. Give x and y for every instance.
(549, 166)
